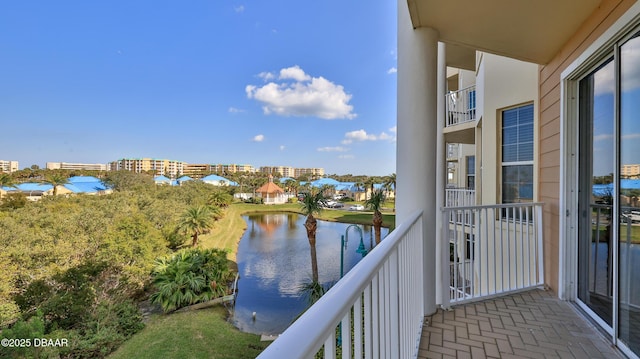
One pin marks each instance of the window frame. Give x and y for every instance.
(528, 163)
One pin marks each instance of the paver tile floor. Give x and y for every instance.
(531, 324)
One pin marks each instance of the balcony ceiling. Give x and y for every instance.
(532, 31)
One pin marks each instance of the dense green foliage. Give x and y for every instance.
(79, 263)
(190, 276)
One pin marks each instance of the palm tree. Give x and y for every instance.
(292, 186)
(374, 203)
(56, 179)
(369, 182)
(312, 203)
(196, 221)
(6, 181)
(220, 199)
(390, 182)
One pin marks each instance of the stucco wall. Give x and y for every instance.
(549, 125)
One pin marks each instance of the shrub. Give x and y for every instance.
(190, 276)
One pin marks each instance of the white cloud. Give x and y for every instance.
(631, 136)
(298, 94)
(266, 76)
(603, 137)
(394, 129)
(362, 135)
(239, 8)
(294, 73)
(333, 149)
(282, 147)
(392, 70)
(346, 157)
(258, 138)
(235, 110)
(604, 78)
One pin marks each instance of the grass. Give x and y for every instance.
(198, 334)
(635, 234)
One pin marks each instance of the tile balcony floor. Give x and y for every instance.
(531, 324)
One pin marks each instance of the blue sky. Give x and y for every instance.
(291, 83)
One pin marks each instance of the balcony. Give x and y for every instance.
(492, 251)
(460, 197)
(461, 116)
(461, 106)
(529, 324)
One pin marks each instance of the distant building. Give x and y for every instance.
(87, 185)
(286, 171)
(8, 166)
(281, 171)
(314, 172)
(217, 181)
(77, 166)
(630, 171)
(195, 169)
(234, 168)
(160, 167)
(271, 193)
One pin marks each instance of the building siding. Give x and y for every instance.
(549, 161)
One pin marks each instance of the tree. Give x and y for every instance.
(374, 203)
(292, 186)
(189, 277)
(197, 221)
(220, 199)
(311, 204)
(390, 182)
(6, 181)
(124, 180)
(55, 179)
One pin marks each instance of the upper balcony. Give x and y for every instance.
(461, 116)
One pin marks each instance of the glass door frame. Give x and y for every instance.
(603, 49)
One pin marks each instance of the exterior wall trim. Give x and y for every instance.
(603, 44)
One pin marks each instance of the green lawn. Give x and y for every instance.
(635, 234)
(199, 334)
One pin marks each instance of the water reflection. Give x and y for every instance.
(274, 263)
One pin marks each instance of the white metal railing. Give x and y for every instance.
(461, 106)
(381, 299)
(493, 250)
(460, 197)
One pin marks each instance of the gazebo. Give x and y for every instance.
(271, 193)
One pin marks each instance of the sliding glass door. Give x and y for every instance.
(629, 212)
(609, 193)
(596, 191)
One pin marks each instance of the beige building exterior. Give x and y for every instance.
(199, 169)
(281, 171)
(287, 171)
(76, 166)
(581, 57)
(8, 166)
(474, 157)
(160, 167)
(630, 171)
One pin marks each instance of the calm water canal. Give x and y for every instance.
(274, 263)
